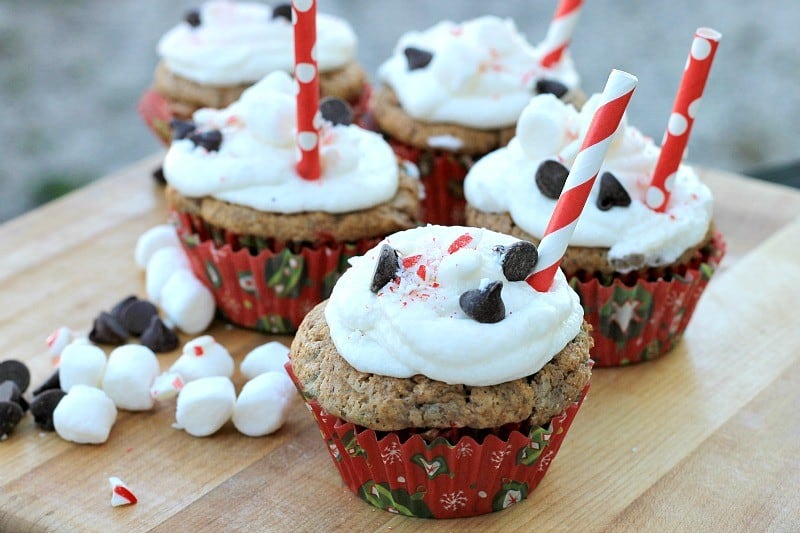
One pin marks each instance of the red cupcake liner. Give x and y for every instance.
(265, 285)
(446, 477)
(635, 319)
(156, 112)
(442, 174)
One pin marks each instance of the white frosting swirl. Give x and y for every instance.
(418, 327)
(482, 74)
(240, 42)
(255, 165)
(503, 181)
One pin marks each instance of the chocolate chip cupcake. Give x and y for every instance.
(268, 243)
(639, 273)
(223, 47)
(452, 93)
(442, 382)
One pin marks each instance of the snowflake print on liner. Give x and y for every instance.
(454, 500)
(498, 456)
(392, 454)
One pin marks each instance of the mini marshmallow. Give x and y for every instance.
(81, 364)
(130, 371)
(85, 415)
(263, 404)
(166, 386)
(57, 341)
(152, 240)
(162, 265)
(269, 357)
(203, 357)
(187, 303)
(120, 493)
(204, 405)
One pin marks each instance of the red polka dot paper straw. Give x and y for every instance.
(560, 31)
(305, 72)
(684, 111)
(613, 102)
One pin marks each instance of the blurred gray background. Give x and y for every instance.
(71, 73)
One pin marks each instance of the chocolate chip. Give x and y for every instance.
(17, 372)
(611, 193)
(122, 304)
(336, 110)
(385, 269)
(158, 175)
(210, 140)
(9, 392)
(553, 87)
(107, 330)
(181, 128)
(43, 405)
(484, 305)
(551, 177)
(10, 415)
(158, 337)
(518, 260)
(135, 315)
(417, 58)
(282, 11)
(193, 17)
(53, 382)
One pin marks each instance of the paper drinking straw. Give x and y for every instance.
(305, 72)
(684, 111)
(560, 31)
(613, 102)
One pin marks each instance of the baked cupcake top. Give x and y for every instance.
(525, 178)
(479, 73)
(439, 301)
(229, 43)
(246, 154)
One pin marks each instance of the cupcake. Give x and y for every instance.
(452, 93)
(442, 383)
(639, 273)
(268, 243)
(223, 47)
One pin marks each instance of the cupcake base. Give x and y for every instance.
(456, 473)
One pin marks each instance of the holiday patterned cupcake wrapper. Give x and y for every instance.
(442, 174)
(639, 320)
(263, 284)
(157, 113)
(449, 477)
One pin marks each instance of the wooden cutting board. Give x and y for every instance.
(703, 439)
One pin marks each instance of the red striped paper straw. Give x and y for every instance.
(305, 72)
(560, 31)
(613, 102)
(684, 111)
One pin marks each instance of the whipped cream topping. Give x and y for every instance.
(503, 182)
(414, 325)
(255, 164)
(240, 42)
(482, 74)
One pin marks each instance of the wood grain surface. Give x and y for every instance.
(703, 439)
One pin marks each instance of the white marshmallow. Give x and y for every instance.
(57, 341)
(85, 415)
(130, 371)
(81, 364)
(263, 404)
(203, 357)
(157, 237)
(162, 265)
(120, 493)
(269, 357)
(187, 302)
(204, 405)
(166, 386)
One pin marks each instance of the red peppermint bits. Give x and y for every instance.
(459, 243)
(126, 494)
(198, 351)
(411, 260)
(421, 271)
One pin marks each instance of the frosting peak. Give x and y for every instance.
(416, 323)
(254, 165)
